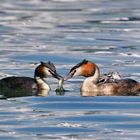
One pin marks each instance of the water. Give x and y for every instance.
(65, 32)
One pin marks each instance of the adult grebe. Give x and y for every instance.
(92, 86)
(42, 71)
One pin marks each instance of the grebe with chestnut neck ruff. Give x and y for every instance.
(92, 85)
(27, 83)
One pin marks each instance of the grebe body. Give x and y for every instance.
(111, 86)
(18, 82)
(42, 71)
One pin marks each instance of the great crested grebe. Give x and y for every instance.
(42, 71)
(109, 77)
(93, 86)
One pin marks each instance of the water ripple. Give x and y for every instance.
(65, 32)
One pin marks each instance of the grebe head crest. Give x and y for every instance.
(46, 69)
(85, 68)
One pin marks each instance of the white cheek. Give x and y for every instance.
(78, 72)
(47, 73)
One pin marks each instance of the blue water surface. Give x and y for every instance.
(66, 32)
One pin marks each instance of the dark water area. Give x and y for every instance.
(66, 32)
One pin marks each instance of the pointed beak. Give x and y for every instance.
(61, 81)
(56, 75)
(69, 75)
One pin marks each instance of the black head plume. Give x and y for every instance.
(49, 65)
(79, 64)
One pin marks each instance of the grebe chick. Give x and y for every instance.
(109, 77)
(90, 85)
(42, 71)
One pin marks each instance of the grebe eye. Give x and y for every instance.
(49, 71)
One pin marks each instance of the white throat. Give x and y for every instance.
(89, 83)
(41, 83)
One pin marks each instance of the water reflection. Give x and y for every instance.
(12, 93)
(65, 32)
(96, 93)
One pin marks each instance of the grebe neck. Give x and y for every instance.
(41, 83)
(90, 82)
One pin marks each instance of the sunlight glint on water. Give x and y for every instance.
(65, 32)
